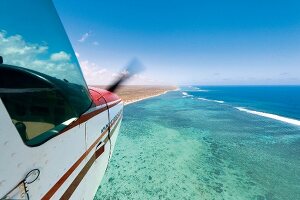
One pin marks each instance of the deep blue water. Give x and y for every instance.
(189, 144)
(280, 100)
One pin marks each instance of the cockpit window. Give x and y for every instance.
(41, 83)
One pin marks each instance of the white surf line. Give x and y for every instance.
(196, 90)
(271, 116)
(203, 99)
(201, 90)
(185, 94)
(217, 101)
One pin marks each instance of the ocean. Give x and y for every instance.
(225, 142)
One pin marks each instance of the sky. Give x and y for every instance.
(187, 42)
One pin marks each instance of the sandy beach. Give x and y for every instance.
(133, 93)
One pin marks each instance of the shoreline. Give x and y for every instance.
(144, 98)
(135, 93)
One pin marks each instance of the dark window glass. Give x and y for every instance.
(36, 104)
(45, 88)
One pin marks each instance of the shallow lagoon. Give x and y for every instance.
(176, 147)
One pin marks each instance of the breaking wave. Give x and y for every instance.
(217, 101)
(185, 94)
(271, 116)
(200, 90)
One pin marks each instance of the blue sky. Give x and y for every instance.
(187, 42)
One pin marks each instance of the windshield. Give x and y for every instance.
(41, 83)
(33, 37)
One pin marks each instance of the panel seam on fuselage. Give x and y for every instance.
(57, 185)
(88, 116)
(72, 187)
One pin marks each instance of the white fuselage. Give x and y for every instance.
(71, 165)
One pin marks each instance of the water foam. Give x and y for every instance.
(217, 101)
(185, 94)
(271, 116)
(201, 90)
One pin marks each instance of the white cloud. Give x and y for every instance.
(60, 56)
(84, 37)
(16, 51)
(136, 79)
(119, 74)
(15, 46)
(95, 43)
(116, 75)
(142, 79)
(94, 75)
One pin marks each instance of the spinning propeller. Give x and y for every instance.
(133, 67)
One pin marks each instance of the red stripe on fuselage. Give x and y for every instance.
(83, 118)
(57, 185)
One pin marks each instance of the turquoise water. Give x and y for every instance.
(177, 146)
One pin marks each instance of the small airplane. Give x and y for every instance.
(56, 134)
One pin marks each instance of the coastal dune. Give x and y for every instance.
(133, 93)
